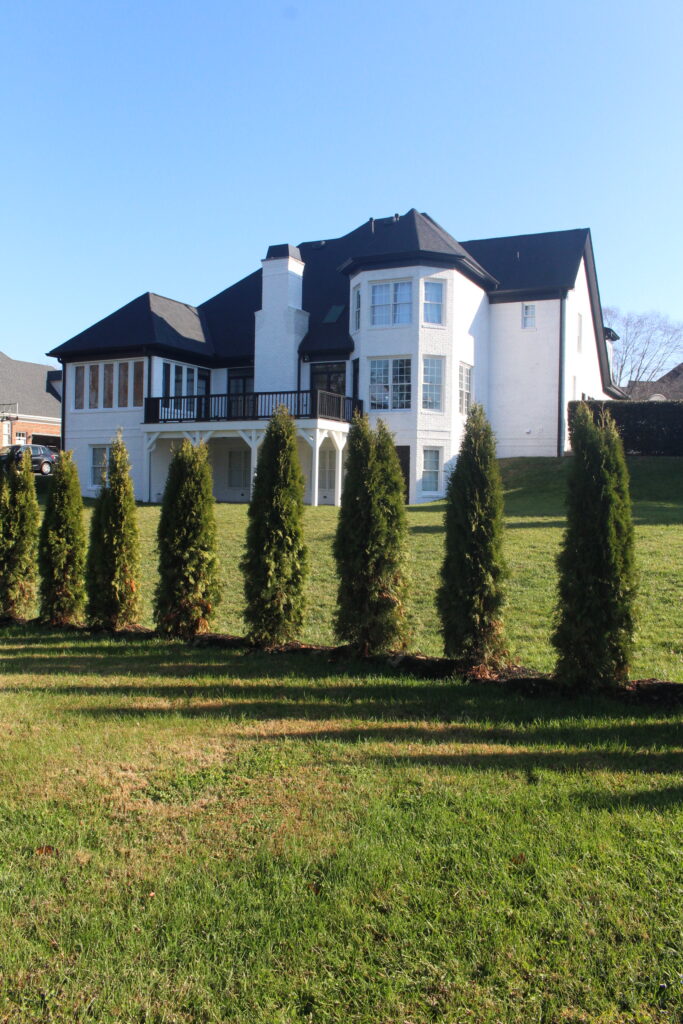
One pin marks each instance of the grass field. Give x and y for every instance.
(193, 834)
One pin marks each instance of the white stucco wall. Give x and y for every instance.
(582, 377)
(280, 325)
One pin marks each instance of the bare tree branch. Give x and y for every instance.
(649, 345)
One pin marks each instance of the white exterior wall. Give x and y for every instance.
(462, 337)
(582, 375)
(88, 428)
(523, 379)
(280, 325)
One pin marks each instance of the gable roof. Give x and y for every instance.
(29, 386)
(669, 386)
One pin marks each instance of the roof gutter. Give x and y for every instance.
(560, 377)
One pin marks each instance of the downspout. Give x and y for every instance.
(61, 363)
(560, 395)
(149, 454)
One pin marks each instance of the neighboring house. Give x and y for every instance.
(668, 388)
(396, 317)
(30, 403)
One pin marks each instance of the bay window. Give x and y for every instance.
(390, 383)
(432, 312)
(391, 303)
(432, 383)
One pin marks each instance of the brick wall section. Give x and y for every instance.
(30, 427)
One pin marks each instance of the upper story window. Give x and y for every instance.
(108, 385)
(432, 383)
(432, 312)
(391, 303)
(464, 388)
(528, 315)
(390, 383)
(355, 302)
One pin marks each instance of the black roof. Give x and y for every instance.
(220, 332)
(29, 389)
(521, 264)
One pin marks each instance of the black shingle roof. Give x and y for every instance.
(546, 262)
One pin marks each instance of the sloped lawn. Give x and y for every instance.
(194, 834)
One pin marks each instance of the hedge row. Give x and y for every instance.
(646, 428)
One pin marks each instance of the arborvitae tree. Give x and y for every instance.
(472, 593)
(188, 588)
(596, 589)
(61, 553)
(19, 542)
(369, 546)
(113, 563)
(275, 562)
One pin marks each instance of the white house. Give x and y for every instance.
(396, 318)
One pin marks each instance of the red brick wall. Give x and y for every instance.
(30, 427)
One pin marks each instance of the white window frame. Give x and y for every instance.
(390, 385)
(106, 448)
(243, 470)
(432, 304)
(465, 372)
(433, 471)
(528, 316)
(433, 388)
(393, 305)
(326, 468)
(86, 368)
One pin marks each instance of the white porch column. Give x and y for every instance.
(150, 445)
(315, 469)
(339, 441)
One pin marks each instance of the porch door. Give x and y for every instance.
(329, 377)
(403, 452)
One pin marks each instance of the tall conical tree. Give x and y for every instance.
(188, 589)
(369, 546)
(593, 634)
(471, 597)
(19, 542)
(275, 563)
(61, 552)
(113, 563)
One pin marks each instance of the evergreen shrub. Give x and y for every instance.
(18, 540)
(370, 543)
(188, 589)
(594, 626)
(275, 563)
(61, 552)
(113, 562)
(471, 596)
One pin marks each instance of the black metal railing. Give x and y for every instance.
(258, 406)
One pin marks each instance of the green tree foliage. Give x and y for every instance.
(370, 543)
(113, 562)
(471, 596)
(593, 634)
(61, 553)
(275, 563)
(188, 589)
(18, 540)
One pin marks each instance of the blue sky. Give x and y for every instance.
(162, 146)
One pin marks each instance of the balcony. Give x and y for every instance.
(308, 405)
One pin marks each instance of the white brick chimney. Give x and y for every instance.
(281, 323)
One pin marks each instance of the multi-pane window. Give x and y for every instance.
(430, 469)
(464, 388)
(391, 303)
(138, 382)
(326, 469)
(238, 468)
(108, 384)
(432, 383)
(189, 387)
(433, 303)
(98, 465)
(356, 309)
(528, 315)
(390, 383)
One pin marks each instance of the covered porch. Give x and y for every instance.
(233, 453)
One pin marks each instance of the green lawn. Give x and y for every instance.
(195, 834)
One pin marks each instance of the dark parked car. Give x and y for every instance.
(42, 459)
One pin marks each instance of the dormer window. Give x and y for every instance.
(528, 316)
(391, 304)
